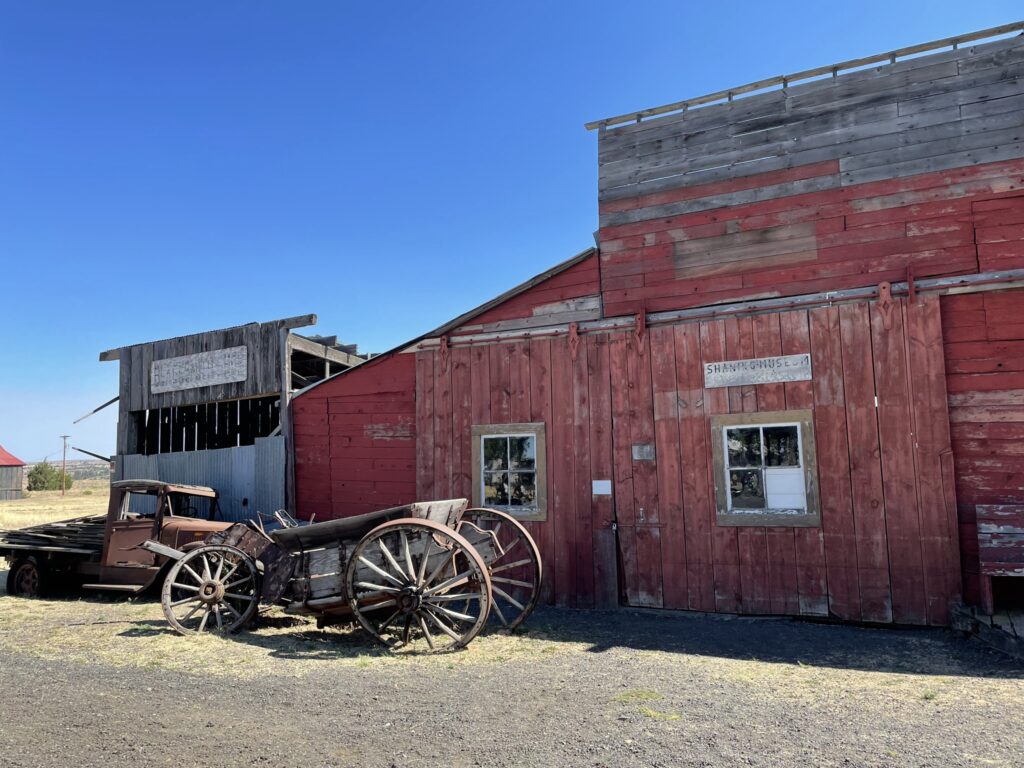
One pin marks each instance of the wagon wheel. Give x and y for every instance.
(418, 584)
(213, 588)
(513, 562)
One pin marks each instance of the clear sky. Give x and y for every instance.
(174, 167)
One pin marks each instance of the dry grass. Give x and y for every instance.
(125, 632)
(87, 497)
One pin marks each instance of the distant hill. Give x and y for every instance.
(91, 469)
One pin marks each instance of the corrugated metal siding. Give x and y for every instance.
(249, 478)
(11, 482)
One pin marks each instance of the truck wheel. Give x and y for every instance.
(26, 578)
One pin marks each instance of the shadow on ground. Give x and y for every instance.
(774, 640)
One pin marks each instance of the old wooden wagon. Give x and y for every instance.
(426, 575)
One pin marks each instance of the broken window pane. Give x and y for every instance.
(495, 489)
(746, 487)
(522, 489)
(495, 453)
(523, 452)
(744, 446)
(782, 446)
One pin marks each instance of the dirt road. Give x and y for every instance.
(101, 683)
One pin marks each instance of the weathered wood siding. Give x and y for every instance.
(263, 341)
(570, 296)
(984, 343)
(836, 183)
(355, 440)
(887, 548)
(11, 482)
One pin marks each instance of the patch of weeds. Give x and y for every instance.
(929, 695)
(892, 753)
(656, 715)
(363, 662)
(633, 696)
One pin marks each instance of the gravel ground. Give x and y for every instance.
(577, 689)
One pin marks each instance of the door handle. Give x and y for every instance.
(642, 514)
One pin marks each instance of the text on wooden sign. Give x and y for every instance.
(759, 370)
(203, 369)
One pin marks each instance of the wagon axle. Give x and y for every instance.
(410, 599)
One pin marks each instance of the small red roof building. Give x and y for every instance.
(8, 459)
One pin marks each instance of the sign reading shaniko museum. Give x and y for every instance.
(203, 369)
(760, 370)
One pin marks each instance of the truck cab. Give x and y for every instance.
(104, 552)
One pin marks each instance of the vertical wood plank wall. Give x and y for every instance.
(887, 547)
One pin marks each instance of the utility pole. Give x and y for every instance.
(64, 467)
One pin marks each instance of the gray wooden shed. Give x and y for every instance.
(12, 475)
(212, 408)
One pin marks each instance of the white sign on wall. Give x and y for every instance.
(602, 487)
(203, 369)
(759, 370)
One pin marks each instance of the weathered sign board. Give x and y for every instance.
(758, 370)
(203, 369)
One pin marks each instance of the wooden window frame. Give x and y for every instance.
(804, 418)
(538, 431)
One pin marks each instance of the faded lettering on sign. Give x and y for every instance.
(203, 369)
(759, 370)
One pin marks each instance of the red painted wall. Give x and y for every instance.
(984, 346)
(886, 550)
(355, 440)
(841, 238)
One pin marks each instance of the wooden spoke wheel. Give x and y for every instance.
(214, 588)
(513, 562)
(418, 584)
(26, 578)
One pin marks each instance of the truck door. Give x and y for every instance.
(136, 521)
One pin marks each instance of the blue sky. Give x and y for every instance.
(175, 167)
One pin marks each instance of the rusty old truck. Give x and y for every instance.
(103, 551)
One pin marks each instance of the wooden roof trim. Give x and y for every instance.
(299, 321)
(786, 80)
(463, 318)
(510, 294)
(315, 348)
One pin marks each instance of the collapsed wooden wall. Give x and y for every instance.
(832, 184)
(887, 547)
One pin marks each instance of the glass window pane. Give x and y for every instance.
(522, 452)
(744, 446)
(746, 487)
(523, 489)
(141, 504)
(495, 453)
(495, 489)
(781, 446)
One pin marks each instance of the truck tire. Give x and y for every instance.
(26, 578)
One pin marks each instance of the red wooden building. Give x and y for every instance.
(782, 383)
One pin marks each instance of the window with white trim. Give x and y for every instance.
(509, 469)
(765, 469)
